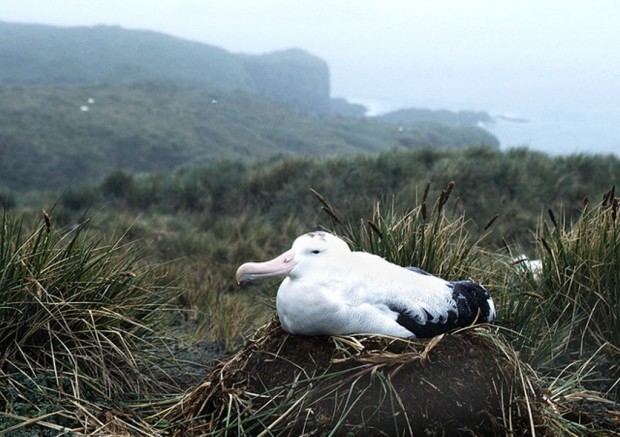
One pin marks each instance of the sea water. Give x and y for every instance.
(554, 129)
(561, 132)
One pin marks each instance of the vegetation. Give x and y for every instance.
(517, 184)
(80, 328)
(148, 127)
(572, 305)
(412, 115)
(36, 54)
(162, 170)
(203, 221)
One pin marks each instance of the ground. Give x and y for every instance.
(463, 383)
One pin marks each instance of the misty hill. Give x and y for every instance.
(38, 54)
(54, 136)
(412, 115)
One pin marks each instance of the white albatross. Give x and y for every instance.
(330, 290)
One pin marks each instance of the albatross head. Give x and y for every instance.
(307, 249)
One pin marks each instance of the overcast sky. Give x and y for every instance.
(500, 56)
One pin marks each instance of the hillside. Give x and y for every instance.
(52, 137)
(412, 115)
(37, 54)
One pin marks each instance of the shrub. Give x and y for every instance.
(7, 200)
(119, 184)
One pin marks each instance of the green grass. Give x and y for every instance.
(573, 307)
(581, 259)
(80, 323)
(428, 236)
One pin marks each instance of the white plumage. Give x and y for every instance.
(328, 290)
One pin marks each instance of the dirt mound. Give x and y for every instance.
(462, 383)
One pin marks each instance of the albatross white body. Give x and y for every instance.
(329, 290)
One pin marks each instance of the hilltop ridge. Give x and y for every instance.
(47, 55)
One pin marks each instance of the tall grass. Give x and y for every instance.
(573, 305)
(431, 236)
(582, 263)
(80, 323)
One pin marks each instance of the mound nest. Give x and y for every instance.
(280, 384)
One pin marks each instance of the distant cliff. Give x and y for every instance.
(291, 76)
(37, 54)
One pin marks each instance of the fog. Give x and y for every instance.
(555, 63)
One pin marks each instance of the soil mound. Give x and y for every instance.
(465, 383)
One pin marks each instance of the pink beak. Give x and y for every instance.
(280, 266)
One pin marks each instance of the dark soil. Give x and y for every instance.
(457, 384)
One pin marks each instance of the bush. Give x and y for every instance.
(7, 200)
(78, 199)
(119, 184)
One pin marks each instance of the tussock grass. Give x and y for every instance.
(221, 314)
(225, 314)
(427, 236)
(581, 261)
(79, 328)
(572, 308)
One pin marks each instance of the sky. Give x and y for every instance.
(545, 60)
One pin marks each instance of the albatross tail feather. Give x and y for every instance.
(473, 303)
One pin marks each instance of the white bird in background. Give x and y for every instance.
(330, 290)
(533, 267)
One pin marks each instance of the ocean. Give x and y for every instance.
(562, 133)
(547, 129)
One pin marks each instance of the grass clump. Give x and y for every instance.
(80, 327)
(428, 237)
(581, 261)
(571, 307)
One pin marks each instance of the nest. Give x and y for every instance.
(462, 383)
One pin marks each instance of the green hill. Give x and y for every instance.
(78, 103)
(37, 54)
(52, 137)
(412, 115)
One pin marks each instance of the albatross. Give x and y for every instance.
(330, 290)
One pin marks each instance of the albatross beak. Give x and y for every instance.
(280, 266)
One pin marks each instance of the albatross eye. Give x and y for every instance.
(315, 251)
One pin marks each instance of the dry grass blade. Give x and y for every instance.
(24, 422)
(381, 355)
